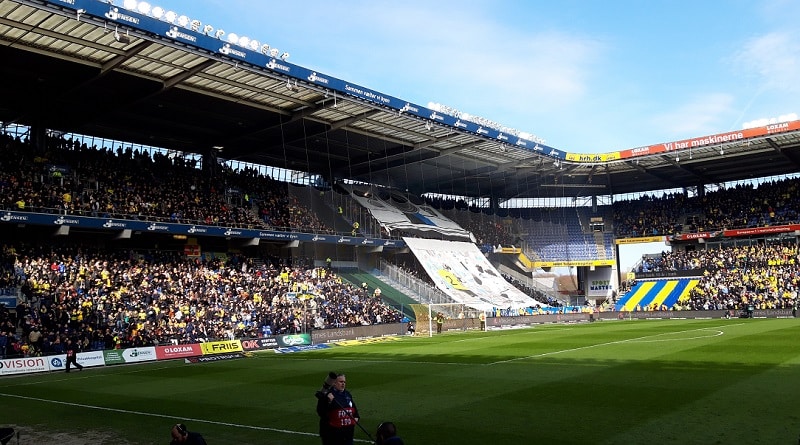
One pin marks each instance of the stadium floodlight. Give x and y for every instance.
(144, 8)
(122, 38)
(284, 56)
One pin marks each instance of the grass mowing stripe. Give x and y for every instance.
(644, 390)
(163, 416)
(637, 339)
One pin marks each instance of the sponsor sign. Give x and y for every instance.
(254, 344)
(86, 359)
(220, 347)
(133, 355)
(214, 357)
(576, 263)
(177, 351)
(45, 219)
(113, 357)
(643, 239)
(294, 340)
(291, 349)
(23, 365)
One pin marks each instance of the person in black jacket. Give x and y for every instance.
(181, 435)
(72, 355)
(338, 414)
(387, 435)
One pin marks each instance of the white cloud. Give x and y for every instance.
(464, 59)
(773, 60)
(703, 115)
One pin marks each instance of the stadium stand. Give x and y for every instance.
(359, 174)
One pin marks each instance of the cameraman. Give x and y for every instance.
(337, 412)
(387, 435)
(181, 435)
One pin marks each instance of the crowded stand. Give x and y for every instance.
(740, 206)
(733, 278)
(107, 299)
(73, 179)
(123, 298)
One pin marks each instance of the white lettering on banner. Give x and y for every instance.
(409, 107)
(460, 124)
(114, 14)
(275, 65)
(110, 223)
(367, 94)
(9, 217)
(178, 349)
(155, 226)
(314, 77)
(227, 50)
(482, 131)
(195, 229)
(716, 139)
(62, 220)
(230, 232)
(502, 137)
(777, 127)
(290, 340)
(175, 33)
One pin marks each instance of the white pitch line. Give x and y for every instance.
(544, 354)
(164, 416)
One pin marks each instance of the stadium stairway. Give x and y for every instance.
(389, 294)
(658, 292)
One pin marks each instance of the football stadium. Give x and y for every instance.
(209, 238)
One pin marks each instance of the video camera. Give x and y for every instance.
(327, 386)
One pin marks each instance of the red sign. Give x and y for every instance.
(177, 351)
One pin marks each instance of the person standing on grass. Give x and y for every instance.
(72, 355)
(339, 412)
(439, 322)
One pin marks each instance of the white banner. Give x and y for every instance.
(87, 359)
(395, 211)
(599, 282)
(463, 272)
(23, 365)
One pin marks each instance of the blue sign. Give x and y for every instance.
(46, 219)
(194, 34)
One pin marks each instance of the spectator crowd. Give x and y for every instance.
(117, 299)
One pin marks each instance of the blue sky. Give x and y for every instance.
(587, 76)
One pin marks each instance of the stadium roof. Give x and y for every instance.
(88, 67)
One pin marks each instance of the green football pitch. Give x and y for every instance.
(649, 382)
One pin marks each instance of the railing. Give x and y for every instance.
(425, 292)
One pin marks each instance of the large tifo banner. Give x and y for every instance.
(396, 212)
(463, 272)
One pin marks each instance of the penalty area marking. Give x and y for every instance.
(630, 340)
(164, 416)
(710, 334)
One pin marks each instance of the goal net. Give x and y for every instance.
(453, 316)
